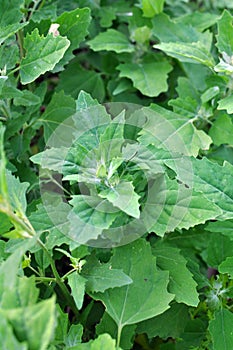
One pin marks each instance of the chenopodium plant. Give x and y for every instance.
(128, 178)
(126, 173)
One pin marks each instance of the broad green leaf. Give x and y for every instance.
(176, 206)
(89, 217)
(5, 223)
(60, 108)
(174, 132)
(146, 297)
(77, 284)
(168, 31)
(221, 330)
(107, 15)
(9, 268)
(107, 325)
(34, 324)
(112, 139)
(225, 34)
(44, 13)
(7, 337)
(85, 101)
(61, 326)
(226, 103)
(152, 7)
(10, 12)
(123, 197)
(194, 334)
(73, 25)
(103, 342)
(16, 193)
(74, 335)
(212, 180)
(27, 98)
(171, 323)
(11, 29)
(150, 78)
(111, 40)
(42, 54)
(52, 219)
(75, 79)
(24, 294)
(181, 282)
(227, 266)
(221, 130)
(219, 248)
(199, 20)
(225, 227)
(101, 277)
(194, 52)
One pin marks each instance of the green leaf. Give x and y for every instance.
(42, 54)
(194, 52)
(16, 193)
(27, 98)
(89, 217)
(24, 294)
(77, 284)
(146, 297)
(225, 34)
(7, 337)
(10, 12)
(221, 130)
(227, 266)
(103, 342)
(181, 282)
(168, 31)
(74, 336)
(151, 7)
(111, 40)
(150, 78)
(219, 248)
(75, 79)
(52, 218)
(221, 330)
(171, 323)
(212, 179)
(123, 197)
(174, 132)
(60, 108)
(9, 30)
(199, 20)
(85, 101)
(101, 277)
(177, 206)
(107, 325)
(226, 103)
(34, 324)
(112, 139)
(73, 25)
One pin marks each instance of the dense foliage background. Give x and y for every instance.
(168, 164)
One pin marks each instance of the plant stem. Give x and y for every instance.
(118, 337)
(45, 279)
(20, 38)
(59, 280)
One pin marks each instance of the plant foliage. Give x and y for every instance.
(116, 174)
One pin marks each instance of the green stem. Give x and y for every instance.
(118, 337)
(45, 279)
(67, 274)
(59, 280)
(20, 38)
(36, 3)
(5, 110)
